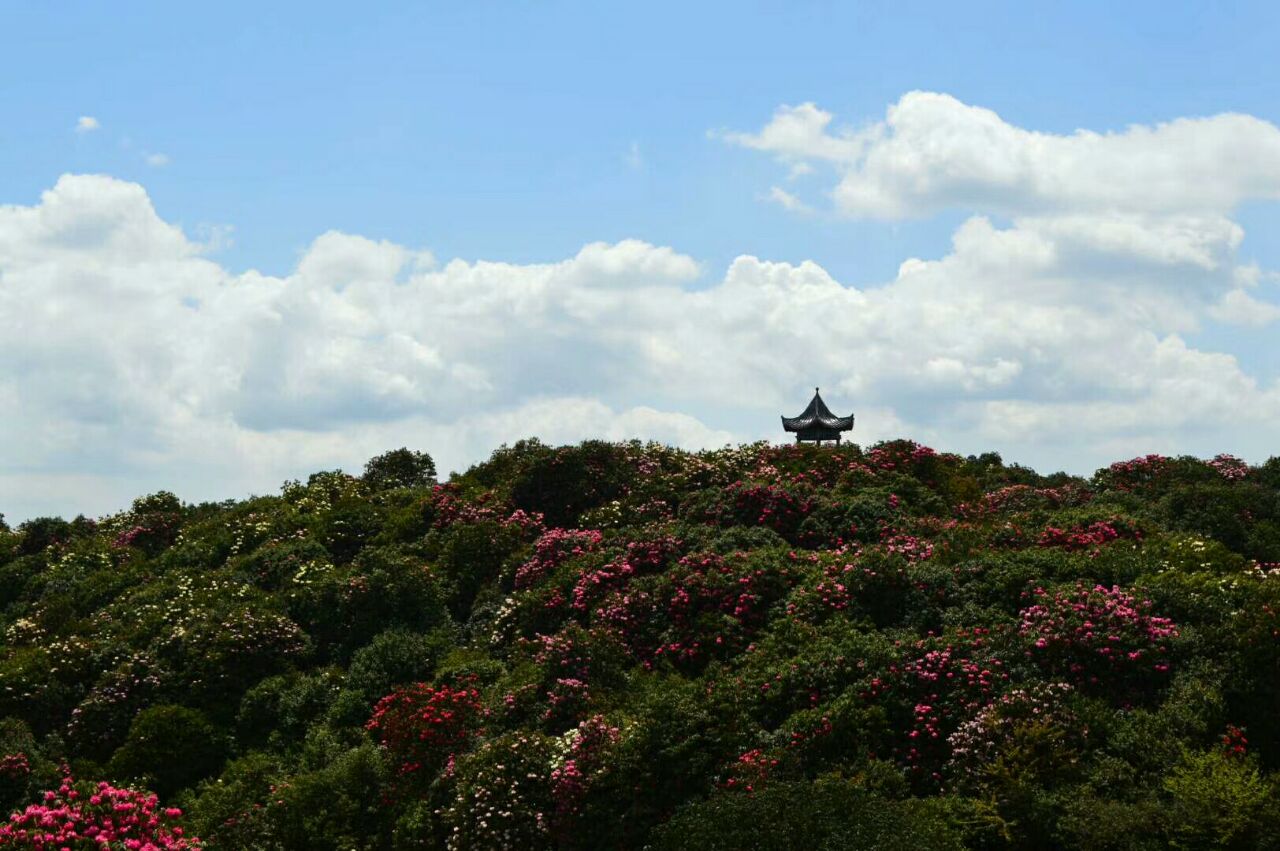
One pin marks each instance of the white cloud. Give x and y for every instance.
(787, 201)
(932, 152)
(799, 133)
(157, 160)
(1057, 336)
(633, 158)
(1237, 307)
(87, 124)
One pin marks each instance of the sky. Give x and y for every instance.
(242, 243)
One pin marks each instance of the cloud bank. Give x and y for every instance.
(134, 361)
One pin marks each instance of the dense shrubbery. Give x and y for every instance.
(629, 646)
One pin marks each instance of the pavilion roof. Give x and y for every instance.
(817, 415)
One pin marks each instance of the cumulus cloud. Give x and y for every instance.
(87, 124)
(932, 152)
(1057, 333)
(1237, 307)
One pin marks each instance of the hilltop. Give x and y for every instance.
(631, 646)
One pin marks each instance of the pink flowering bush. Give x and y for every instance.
(553, 548)
(1097, 637)
(584, 760)
(1025, 730)
(1229, 467)
(935, 688)
(1089, 536)
(97, 816)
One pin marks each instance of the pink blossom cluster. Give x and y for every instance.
(643, 556)
(450, 507)
(552, 549)
(1137, 472)
(1014, 498)
(909, 546)
(563, 654)
(1229, 467)
(979, 742)
(14, 766)
(567, 698)
(1088, 536)
(901, 455)
(97, 816)
(595, 583)
(1095, 634)
(859, 580)
(944, 685)
(777, 508)
(706, 603)
(587, 758)
(750, 770)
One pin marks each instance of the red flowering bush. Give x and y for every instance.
(1233, 743)
(750, 770)
(873, 583)
(1021, 498)
(101, 816)
(422, 726)
(1097, 636)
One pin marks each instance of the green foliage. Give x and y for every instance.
(400, 468)
(827, 814)
(1216, 801)
(169, 748)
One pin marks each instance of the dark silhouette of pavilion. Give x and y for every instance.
(816, 423)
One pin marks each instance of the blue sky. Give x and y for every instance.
(521, 132)
(503, 130)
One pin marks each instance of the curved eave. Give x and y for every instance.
(806, 423)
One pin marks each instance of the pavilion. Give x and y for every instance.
(816, 423)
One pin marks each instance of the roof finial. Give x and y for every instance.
(815, 390)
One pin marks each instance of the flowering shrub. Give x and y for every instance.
(1097, 637)
(503, 795)
(1229, 467)
(900, 455)
(939, 685)
(778, 508)
(1023, 730)
(552, 549)
(85, 815)
(1090, 536)
(422, 726)
(583, 758)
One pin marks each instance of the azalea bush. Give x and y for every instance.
(1098, 637)
(87, 815)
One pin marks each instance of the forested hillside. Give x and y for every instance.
(631, 646)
